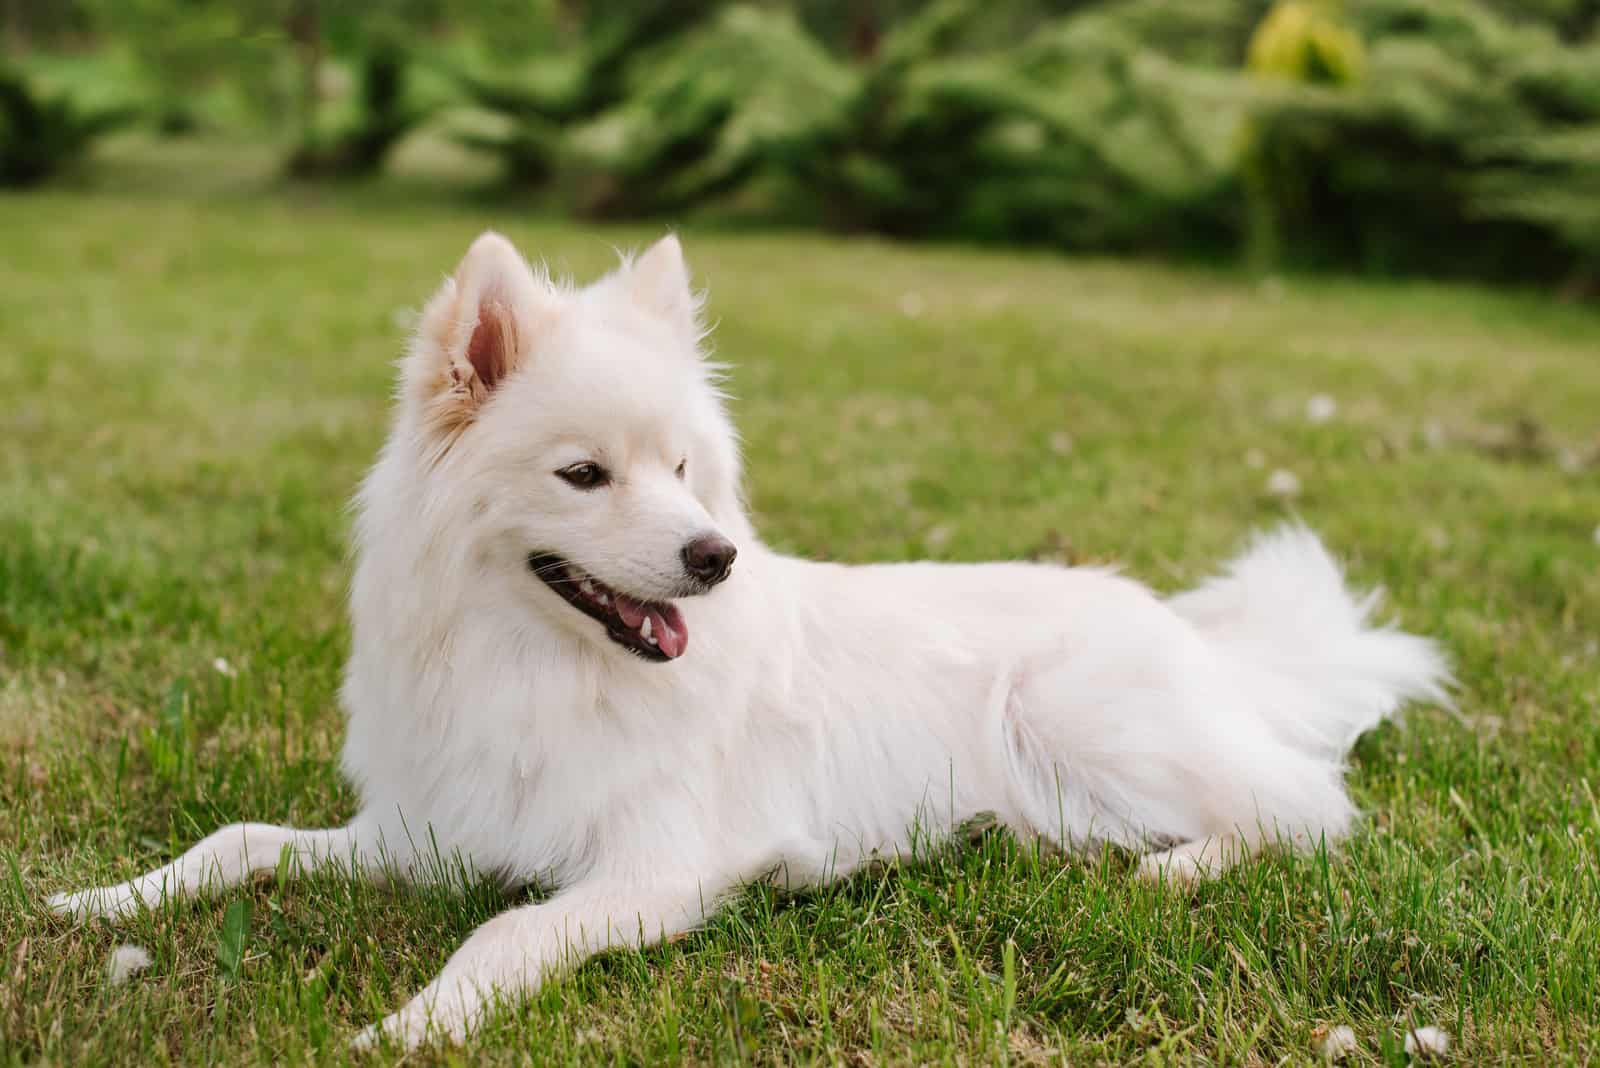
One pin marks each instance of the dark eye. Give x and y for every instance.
(586, 476)
(681, 465)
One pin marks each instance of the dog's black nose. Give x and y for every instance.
(709, 557)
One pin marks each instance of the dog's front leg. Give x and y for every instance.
(508, 957)
(228, 857)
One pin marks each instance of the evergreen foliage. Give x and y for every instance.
(383, 117)
(1444, 136)
(568, 83)
(1468, 144)
(707, 112)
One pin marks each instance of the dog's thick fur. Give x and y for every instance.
(819, 715)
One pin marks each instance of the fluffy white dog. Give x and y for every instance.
(575, 664)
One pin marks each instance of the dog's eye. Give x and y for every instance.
(587, 475)
(681, 465)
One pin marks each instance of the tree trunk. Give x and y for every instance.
(305, 29)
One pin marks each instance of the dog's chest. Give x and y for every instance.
(536, 778)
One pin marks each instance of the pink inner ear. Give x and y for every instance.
(493, 344)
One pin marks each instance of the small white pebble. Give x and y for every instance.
(912, 304)
(126, 961)
(1321, 408)
(1283, 483)
(223, 667)
(1427, 1042)
(1255, 458)
(1339, 1042)
(1061, 442)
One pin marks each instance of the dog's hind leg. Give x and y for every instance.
(230, 856)
(1194, 862)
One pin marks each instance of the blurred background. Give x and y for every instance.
(1434, 137)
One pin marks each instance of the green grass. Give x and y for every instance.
(195, 384)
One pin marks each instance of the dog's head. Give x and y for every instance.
(577, 438)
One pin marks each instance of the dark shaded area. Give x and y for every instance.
(1450, 137)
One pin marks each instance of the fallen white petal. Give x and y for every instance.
(223, 667)
(1428, 1042)
(1338, 1042)
(1283, 483)
(126, 961)
(1321, 408)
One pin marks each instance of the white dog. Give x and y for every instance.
(575, 664)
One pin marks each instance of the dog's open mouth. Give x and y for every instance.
(652, 629)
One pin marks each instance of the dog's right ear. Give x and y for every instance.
(484, 322)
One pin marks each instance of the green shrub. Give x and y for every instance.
(1078, 137)
(181, 49)
(568, 83)
(1467, 145)
(383, 117)
(40, 135)
(1391, 135)
(705, 113)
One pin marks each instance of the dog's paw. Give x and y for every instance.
(1186, 866)
(404, 1031)
(444, 1012)
(1171, 869)
(420, 1023)
(401, 1031)
(108, 902)
(367, 1039)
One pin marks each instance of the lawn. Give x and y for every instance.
(196, 382)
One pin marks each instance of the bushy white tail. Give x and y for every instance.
(1323, 672)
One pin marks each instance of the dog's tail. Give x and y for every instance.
(1320, 670)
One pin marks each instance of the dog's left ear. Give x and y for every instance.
(659, 283)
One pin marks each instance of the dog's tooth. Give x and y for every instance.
(587, 587)
(649, 640)
(605, 599)
(645, 630)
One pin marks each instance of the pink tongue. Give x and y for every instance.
(631, 611)
(666, 627)
(666, 624)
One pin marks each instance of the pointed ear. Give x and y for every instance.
(484, 322)
(659, 282)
